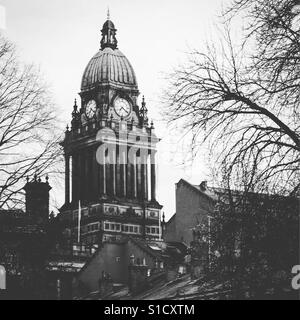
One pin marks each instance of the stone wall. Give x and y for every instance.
(192, 208)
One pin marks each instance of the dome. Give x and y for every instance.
(109, 24)
(108, 66)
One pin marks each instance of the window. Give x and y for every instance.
(131, 229)
(112, 226)
(118, 259)
(152, 230)
(138, 212)
(153, 214)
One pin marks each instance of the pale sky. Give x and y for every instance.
(61, 36)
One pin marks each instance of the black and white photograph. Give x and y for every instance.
(149, 152)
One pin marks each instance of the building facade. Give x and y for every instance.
(26, 239)
(230, 230)
(194, 205)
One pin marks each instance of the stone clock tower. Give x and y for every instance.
(117, 196)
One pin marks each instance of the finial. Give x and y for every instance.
(143, 102)
(75, 108)
(47, 179)
(27, 179)
(152, 124)
(35, 177)
(67, 127)
(109, 31)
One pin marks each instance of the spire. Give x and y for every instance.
(75, 107)
(109, 34)
(144, 112)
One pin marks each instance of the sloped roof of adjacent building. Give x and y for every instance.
(211, 193)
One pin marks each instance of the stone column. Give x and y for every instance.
(153, 175)
(67, 179)
(134, 178)
(129, 192)
(138, 178)
(74, 178)
(147, 178)
(144, 187)
(102, 175)
(123, 173)
(113, 173)
(82, 178)
(95, 175)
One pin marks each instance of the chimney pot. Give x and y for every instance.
(203, 185)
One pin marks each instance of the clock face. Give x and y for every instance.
(90, 109)
(122, 107)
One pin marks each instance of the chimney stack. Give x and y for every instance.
(37, 199)
(203, 185)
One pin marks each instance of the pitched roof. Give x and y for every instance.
(145, 246)
(208, 192)
(171, 219)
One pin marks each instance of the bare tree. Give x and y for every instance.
(245, 99)
(28, 139)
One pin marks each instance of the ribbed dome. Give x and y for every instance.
(108, 66)
(109, 24)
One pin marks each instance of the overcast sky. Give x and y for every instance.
(62, 35)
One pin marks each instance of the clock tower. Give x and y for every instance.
(110, 148)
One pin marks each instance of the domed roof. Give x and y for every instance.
(108, 66)
(109, 24)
